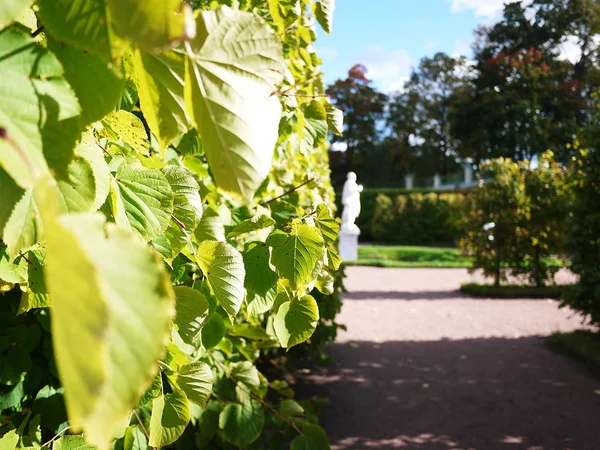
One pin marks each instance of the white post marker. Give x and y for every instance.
(408, 181)
(349, 232)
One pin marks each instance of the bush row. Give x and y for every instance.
(410, 217)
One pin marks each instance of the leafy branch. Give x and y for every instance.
(288, 192)
(255, 397)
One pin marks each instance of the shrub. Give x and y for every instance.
(418, 218)
(583, 235)
(515, 222)
(165, 216)
(580, 345)
(546, 209)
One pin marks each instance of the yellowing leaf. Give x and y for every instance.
(39, 113)
(127, 126)
(324, 13)
(159, 79)
(150, 24)
(170, 416)
(230, 82)
(112, 308)
(11, 9)
(223, 267)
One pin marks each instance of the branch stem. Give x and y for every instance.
(258, 399)
(289, 191)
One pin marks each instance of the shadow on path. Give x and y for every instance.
(481, 394)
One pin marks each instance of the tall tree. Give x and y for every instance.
(420, 116)
(526, 97)
(363, 108)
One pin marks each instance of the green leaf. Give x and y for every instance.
(245, 372)
(143, 200)
(107, 346)
(196, 380)
(313, 437)
(327, 224)
(10, 399)
(76, 191)
(295, 254)
(77, 187)
(36, 295)
(155, 390)
(89, 150)
(151, 24)
(127, 126)
(242, 424)
(97, 86)
(229, 86)
(10, 10)
(325, 283)
(129, 97)
(82, 23)
(335, 119)
(333, 258)
(248, 331)
(259, 276)
(211, 227)
(187, 207)
(11, 194)
(254, 224)
(159, 79)
(135, 439)
(314, 123)
(14, 365)
(24, 228)
(223, 267)
(296, 321)
(170, 416)
(260, 304)
(9, 441)
(290, 408)
(213, 331)
(190, 144)
(72, 443)
(192, 312)
(324, 13)
(39, 113)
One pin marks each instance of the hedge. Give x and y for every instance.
(418, 216)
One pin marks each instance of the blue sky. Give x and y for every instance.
(390, 36)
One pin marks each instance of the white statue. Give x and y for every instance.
(351, 203)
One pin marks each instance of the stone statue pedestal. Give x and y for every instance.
(349, 244)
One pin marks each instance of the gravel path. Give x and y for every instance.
(424, 367)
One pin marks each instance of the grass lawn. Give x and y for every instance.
(580, 345)
(410, 256)
(404, 256)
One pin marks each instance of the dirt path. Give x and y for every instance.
(423, 367)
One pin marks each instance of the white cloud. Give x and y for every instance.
(490, 10)
(389, 69)
(327, 52)
(481, 8)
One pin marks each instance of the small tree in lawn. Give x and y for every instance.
(545, 212)
(493, 224)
